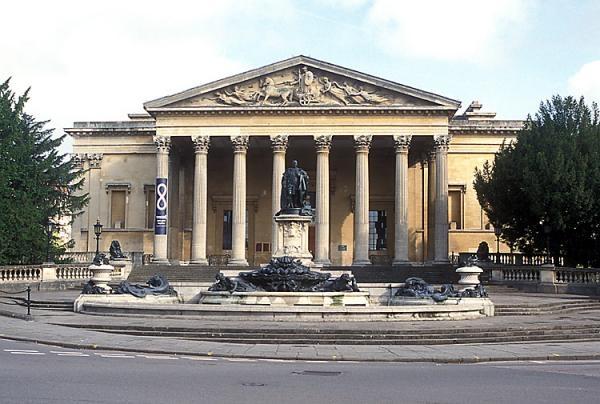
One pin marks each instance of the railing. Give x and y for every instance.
(85, 257)
(510, 259)
(547, 278)
(577, 276)
(521, 274)
(72, 272)
(21, 273)
(216, 260)
(27, 300)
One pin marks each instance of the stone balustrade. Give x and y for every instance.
(73, 272)
(48, 274)
(516, 259)
(20, 274)
(548, 279)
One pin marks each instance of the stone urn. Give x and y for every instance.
(101, 275)
(469, 276)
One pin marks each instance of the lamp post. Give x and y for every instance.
(498, 232)
(98, 232)
(547, 230)
(49, 230)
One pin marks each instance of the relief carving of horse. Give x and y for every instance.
(268, 89)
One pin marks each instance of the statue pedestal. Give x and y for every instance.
(292, 237)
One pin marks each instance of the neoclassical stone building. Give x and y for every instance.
(198, 176)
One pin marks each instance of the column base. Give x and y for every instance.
(400, 262)
(160, 261)
(239, 262)
(325, 262)
(200, 261)
(361, 263)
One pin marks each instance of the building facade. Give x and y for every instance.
(197, 178)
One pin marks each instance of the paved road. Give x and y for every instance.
(31, 373)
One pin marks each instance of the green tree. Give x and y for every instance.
(545, 186)
(37, 183)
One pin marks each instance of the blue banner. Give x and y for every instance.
(160, 220)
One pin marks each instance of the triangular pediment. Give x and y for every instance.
(302, 82)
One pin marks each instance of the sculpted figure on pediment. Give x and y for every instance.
(304, 87)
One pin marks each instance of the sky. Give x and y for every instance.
(94, 61)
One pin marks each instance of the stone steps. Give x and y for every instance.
(362, 337)
(549, 308)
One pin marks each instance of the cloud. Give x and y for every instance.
(466, 30)
(99, 61)
(586, 82)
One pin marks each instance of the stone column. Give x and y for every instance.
(95, 192)
(279, 144)
(161, 225)
(362, 143)
(201, 145)
(431, 206)
(402, 144)
(441, 143)
(238, 248)
(322, 144)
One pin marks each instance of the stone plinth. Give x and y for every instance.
(287, 299)
(292, 237)
(110, 299)
(101, 275)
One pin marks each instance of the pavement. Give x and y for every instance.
(50, 328)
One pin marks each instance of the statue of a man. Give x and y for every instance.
(294, 186)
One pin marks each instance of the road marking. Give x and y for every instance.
(275, 360)
(239, 360)
(20, 350)
(115, 356)
(28, 353)
(316, 361)
(198, 358)
(157, 357)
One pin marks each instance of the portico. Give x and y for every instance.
(199, 176)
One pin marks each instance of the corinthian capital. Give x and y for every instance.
(201, 144)
(323, 142)
(94, 159)
(402, 143)
(441, 142)
(279, 143)
(240, 143)
(163, 143)
(78, 159)
(362, 142)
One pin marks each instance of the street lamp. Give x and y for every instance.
(98, 232)
(50, 225)
(497, 232)
(547, 230)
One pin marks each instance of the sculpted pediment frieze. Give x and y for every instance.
(302, 82)
(302, 86)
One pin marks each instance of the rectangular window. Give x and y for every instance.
(455, 211)
(377, 230)
(150, 206)
(118, 201)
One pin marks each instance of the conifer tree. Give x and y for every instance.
(37, 183)
(545, 186)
